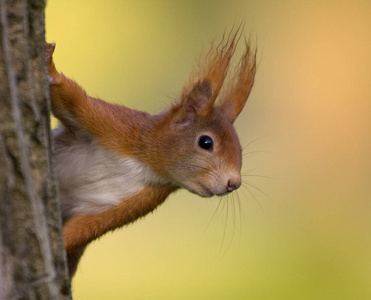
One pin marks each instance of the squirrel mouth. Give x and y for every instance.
(201, 191)
(206, 192)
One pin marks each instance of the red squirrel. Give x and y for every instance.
(115, 164)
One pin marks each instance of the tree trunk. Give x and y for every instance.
(32, 256)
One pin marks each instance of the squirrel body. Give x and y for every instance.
(97, 175)
(115, 164)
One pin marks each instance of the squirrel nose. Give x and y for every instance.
(233, 184)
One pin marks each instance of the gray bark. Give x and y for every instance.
(32, 256)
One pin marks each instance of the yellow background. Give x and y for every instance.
(311, 107)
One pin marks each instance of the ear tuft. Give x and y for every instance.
(199, 95)
(234, 98)
(213, 66)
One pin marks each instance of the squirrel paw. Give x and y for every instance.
(50, 47)
(53, 73)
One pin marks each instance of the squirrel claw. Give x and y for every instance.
(49, 47)
(53, 74)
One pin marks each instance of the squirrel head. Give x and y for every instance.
(198, 146)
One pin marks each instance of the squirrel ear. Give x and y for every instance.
(197, 102)
(234, 100)
(199, 97)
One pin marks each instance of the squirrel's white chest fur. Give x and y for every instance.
(93, 179)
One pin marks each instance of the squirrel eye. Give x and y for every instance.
(205, 142)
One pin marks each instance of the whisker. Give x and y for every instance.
(251, 153)
(231, 197)
(233, 228)
(214, 214)
(254, 140)
(258, 189)
(258, 175)
(240, 209)
(225, 228)
(209, 170)
(234, 218)
(252, 194)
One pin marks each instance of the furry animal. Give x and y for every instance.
(115, 164)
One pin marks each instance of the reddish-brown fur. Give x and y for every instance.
(83, 229)
(80, 230)
(109, 123)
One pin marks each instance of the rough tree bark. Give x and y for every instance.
(32, 256)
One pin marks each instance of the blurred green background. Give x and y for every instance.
(302, 232)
